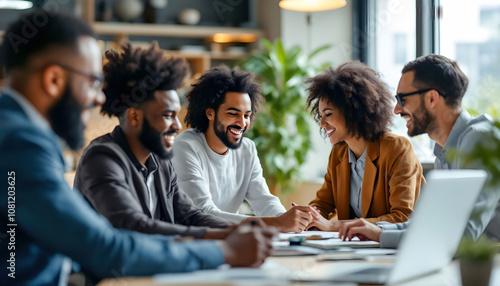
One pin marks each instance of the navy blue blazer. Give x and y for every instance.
(52, 221)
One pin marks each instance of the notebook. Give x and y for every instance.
(431, 240)
(335, 243)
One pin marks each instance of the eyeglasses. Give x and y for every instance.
(97, 80)
(399, 96)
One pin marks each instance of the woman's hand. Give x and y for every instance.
(360, 228)
(323, 224)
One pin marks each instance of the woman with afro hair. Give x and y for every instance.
(372, 173)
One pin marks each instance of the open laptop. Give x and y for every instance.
(431, 240)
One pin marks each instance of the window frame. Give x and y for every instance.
(428, 13)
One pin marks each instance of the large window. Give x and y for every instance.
(465, 31)
(470, 34)
(394, 45)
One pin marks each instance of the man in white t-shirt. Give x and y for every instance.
(216, 165)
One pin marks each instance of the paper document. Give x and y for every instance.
(283, 248)
(309, 234)
(334, 243)
(325, 240)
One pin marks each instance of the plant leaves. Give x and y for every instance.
(319, 50)
(281, 129)
(267, 44)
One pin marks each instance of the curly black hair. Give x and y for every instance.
(440, 73)
(132, 76)
(210, 92)
(358, 92)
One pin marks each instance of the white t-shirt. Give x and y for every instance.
(219, 183)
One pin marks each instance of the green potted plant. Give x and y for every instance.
(476, 260)
(281, 130)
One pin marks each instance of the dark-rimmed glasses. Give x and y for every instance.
(97, 80)
(399, 96)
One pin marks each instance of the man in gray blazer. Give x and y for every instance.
(127, 175)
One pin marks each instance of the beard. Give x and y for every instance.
(152, 139)
(222, 133)
(66, 120)
(424, 122)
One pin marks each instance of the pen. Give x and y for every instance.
(294, 204)
(248, 227)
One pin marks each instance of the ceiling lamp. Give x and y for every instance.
(312, 5)
(15, 4)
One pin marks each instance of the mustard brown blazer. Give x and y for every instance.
(391, 182)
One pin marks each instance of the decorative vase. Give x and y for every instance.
(128, 10)
(105, 11)
(189, 17)
(474, 273)
(153, 10)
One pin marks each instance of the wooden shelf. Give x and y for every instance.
(228, 56)
(210, 55)
(200, 61)
(158, 30)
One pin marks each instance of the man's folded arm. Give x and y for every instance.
(259, 197)
(187, 213)
(103, 181)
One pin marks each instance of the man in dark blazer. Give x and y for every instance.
(126, 175)
(53, 66)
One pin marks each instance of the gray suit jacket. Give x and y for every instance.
(109, 177)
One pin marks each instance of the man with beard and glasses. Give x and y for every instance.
(54, 74)
(127, 175)
(219, 168)
(429, 98)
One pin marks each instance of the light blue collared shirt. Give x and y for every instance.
(465, 134)
(357, 173)
(34, 116)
